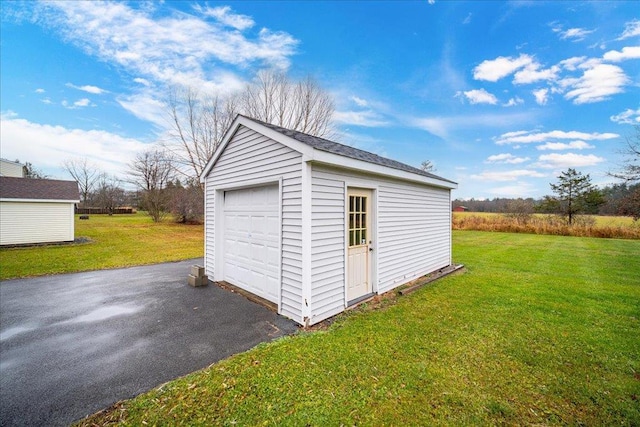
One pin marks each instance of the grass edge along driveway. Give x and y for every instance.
(540, 330)
(116, 241)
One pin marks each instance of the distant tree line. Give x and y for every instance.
(617, 199)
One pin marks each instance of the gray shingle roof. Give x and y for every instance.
(347, 151)
(38, 189)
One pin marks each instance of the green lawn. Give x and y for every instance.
(540, 330)
(116, 241)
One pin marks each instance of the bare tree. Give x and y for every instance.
(199, 122)
(186, 202)
(198, 126)
(630, 169)
(31, 171)
(303, 106)
(630, 173)
(151, 171)
(87, 175)
(427, 166)
(109, 193)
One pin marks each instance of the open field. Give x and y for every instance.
(541, 330)
(116, 241)
(617, 227)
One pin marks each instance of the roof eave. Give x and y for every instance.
(335, 160)
(18, 199)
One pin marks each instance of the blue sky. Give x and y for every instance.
(500, 96)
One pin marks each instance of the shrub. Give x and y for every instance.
(583, 225)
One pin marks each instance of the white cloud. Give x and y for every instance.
(541, 95)
(441, 125)
(142, 81)
(526, 137)
(145, 106)
(479, 96)
(519, 189)
(46, 101)
(575, 34)
(495, 69)
(597, 83)
(39, 90)
(631, 29)
(627, 117)
(84, 102)
(513, 102)
(632, 52)
(438, 126)
(225, 16)
(359, 101)
(573, 63)
(568, 160)
(573, 145)
(532, 73)
(506, 158)
(47, 146)
(467, 20)
(179, 49)
(507, 175)
(366, 118)
(88, 88)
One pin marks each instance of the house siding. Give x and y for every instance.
(413, 232)
(11, 169)
(251, 156)
(36, 222)
(327, 245)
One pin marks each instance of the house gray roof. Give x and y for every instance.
(38, 189)
(346, 151)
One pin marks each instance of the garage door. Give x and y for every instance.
(251, 240)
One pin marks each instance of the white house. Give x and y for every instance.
(9, 168)
(36, 210)
(315, 226)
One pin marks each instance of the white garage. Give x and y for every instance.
(315, 226)
(37, 210)
(252, 240)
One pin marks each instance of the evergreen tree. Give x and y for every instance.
(574, 195)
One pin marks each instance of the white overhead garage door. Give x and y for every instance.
(252, 240)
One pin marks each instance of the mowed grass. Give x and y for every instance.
(116, 241)
(540, 330)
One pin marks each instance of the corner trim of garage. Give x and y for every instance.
(248, 295)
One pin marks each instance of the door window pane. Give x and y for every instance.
(357, 220)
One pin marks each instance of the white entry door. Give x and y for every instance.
(252, 240)
(359, 243)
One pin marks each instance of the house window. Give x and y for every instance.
(357, 220)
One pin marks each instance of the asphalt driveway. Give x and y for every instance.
(73, 344)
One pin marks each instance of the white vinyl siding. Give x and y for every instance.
(248, 157)
(11, 169)
(412, 224)
(414, 232)
(327, 245)
(36, 222)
